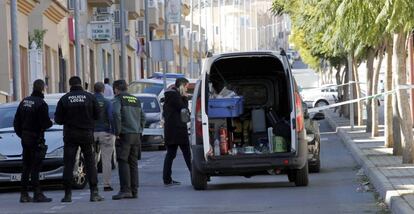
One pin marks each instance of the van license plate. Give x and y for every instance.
(15, 177)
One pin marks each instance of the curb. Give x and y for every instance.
(391, 197)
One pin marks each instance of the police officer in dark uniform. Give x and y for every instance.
(129, 122)
(77, 111)
(30, 122)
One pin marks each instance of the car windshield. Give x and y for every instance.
(145, 87)
(7, 115)
(149, 104)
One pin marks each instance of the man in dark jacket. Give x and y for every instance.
(104, 134)
(30, 122)
(175, 131)
(77, 112)
(129, 123)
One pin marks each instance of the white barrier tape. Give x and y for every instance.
(399, 87)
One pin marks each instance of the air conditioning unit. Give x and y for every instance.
(103, 10)
(140, 28)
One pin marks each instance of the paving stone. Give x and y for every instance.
(398, 171)
(377, 151)
(402, 183)
(386, 160)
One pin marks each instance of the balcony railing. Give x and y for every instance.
(100, 3)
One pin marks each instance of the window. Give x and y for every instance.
(149, 104)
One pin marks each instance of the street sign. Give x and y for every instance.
(100, 30)
(162, 50)
(173, 11)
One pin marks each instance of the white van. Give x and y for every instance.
(258, 125)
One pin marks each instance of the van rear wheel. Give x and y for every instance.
(300, 176)
(198, 179)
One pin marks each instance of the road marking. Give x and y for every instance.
(84, 193)
(57, 207)
(77, 197)
(324, 139)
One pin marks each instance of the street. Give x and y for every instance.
(333, 190)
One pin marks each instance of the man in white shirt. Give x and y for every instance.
(108, 92)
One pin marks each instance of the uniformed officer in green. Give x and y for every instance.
(129, 122)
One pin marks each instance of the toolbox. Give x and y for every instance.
(225, 107)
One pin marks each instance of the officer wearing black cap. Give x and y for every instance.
(30, 122)
(77, 112)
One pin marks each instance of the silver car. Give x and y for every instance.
(11, 150)
(153, 133)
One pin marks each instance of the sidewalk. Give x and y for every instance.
(393, 180)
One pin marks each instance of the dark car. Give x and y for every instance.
(313, 138)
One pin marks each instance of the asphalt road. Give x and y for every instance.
(333, 190)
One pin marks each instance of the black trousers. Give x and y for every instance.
(32, 164)
(127, 150)
(73, 140)
(170, 156)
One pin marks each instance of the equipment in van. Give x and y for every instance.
(225, 107)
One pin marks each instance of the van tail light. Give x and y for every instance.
(198, 122)
(299, 113)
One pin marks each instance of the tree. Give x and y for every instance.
(400, 19)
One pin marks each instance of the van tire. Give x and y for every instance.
(198, 179)
(301, 176)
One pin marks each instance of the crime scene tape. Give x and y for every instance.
(348, 83)
(400, 87)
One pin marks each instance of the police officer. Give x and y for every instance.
(77, 111)
(30, 122)
(129, 121)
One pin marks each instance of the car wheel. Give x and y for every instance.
(198, 179)
(315, 166)
(79, 175)
(321, 103)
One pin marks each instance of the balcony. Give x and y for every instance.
(55, 11)
(100, 3)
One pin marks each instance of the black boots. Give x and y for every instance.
(24, 197)
(40, 197)
(95, 196)
(122, 195)
(68, 196)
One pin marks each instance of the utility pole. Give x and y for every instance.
(77, 40)
(15, 51)
(165, 31)
(180, 45)
(199, 34)
(147, 38)
(191, 38)
(122, 66)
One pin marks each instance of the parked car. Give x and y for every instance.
(149, 86)
(313, 138)
(11, 150)
(266, 89)
(323, 96)
(153, 133)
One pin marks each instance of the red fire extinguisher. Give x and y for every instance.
(224, 146)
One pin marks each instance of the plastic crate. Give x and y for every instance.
(225, 107)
